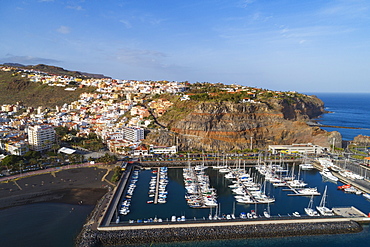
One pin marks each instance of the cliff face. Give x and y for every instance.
(228, 126)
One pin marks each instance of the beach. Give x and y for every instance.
(73, 186)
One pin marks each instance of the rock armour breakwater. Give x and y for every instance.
(93, 238)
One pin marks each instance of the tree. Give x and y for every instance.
(117, 172)
(10, 160)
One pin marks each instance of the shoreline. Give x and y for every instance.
(73, 186)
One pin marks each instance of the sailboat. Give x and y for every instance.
(210, 214)
(266, 213)
(233, 214)
(309, 210)
(323, 210)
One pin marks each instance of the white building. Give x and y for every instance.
(17, 148)
(133, 134)
(41, 137)
(308, 148)
(163, 150)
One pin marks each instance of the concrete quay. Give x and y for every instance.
(362, 185)
(236, 223)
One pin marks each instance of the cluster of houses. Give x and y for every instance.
(115, 112)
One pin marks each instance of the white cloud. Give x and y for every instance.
(76, 7)
(126, 23)
(245, 3)
(352, 9)
(63, 29)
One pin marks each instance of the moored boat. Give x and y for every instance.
(322, 209)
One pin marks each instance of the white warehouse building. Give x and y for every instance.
(307, 148)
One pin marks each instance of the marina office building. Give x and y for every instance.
(308, 148)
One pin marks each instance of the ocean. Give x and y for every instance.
(346, 110)
(57, 224)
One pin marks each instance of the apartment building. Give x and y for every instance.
(41, 137)
(133, 134)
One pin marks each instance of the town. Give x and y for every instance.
(110, 116)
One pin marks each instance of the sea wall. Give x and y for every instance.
(94, 238)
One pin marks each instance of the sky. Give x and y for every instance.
(285, 45)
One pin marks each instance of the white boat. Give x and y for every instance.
(266, 214)
(242, 215)
(309, 210)
(327, 174)
(306, 166)
(296, 183)
(308, 191)
(224, 170)
(323, 210)
(367, 196)
(296, 214)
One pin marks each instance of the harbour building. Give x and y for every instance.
(41, 137)
(306, 148)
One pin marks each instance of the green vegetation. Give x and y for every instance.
(15, 88)
(92, 142)
(14, 162)
(107, 159)
(117, 172)
(177, 111)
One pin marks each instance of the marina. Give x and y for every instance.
(226, 196)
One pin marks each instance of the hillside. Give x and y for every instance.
(228, 125)
(14, 88)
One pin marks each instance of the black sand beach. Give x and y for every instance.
(73, 186)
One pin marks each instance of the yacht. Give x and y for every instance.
(327, 174)
(323, 210)
(308, 191)
(367, 196)
(309, 210)
(306, 166)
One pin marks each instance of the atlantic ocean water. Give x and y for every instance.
(57, 224)
(346, 110)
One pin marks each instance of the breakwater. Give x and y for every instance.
(95, 238)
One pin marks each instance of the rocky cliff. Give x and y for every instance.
(226, 126)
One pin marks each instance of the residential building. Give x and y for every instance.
(133, 134)
(41, 137)
(16, 148)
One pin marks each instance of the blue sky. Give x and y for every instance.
(305, 46)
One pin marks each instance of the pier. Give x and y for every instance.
(157, 188)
